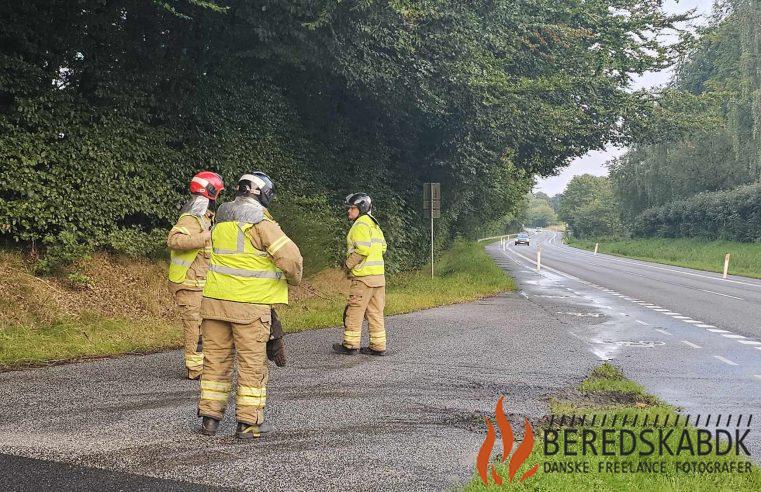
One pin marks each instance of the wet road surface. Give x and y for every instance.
(688, 336)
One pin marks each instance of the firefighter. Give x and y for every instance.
(189, 244)
(364, 266)
(252, 264)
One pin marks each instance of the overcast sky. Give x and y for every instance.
(594, 162)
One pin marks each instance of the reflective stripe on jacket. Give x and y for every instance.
(366, 238)
(241, 273)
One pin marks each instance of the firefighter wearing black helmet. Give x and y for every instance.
(252, 264)
(364, 266)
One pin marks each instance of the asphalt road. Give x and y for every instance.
(701, 333)
(413, 420)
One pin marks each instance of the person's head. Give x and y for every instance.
(358, 204)
(257, 185)
(207, 184)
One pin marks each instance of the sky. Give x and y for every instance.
(594, 162)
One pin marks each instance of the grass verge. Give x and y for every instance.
(607, 392)
(127, 309)
(691, 253)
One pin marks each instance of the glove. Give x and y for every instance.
(276, 345)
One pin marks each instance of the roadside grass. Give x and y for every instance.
(463, 273)
(745, 258)
(127, 308)
(607, 392)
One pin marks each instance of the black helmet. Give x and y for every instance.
(259, 184)
(360, 200)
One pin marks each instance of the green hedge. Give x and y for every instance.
(732, 215)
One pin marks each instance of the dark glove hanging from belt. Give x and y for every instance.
(275, 345)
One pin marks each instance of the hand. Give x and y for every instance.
(206, 235)
(276, 351)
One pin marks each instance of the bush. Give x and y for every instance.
(138, 244)
(60, 252)
(733, 215)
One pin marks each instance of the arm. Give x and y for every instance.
(187, 234)
(283, 251)
(353, 260)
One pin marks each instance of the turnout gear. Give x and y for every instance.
(207, 184)
(209, 426)
(240, 272)
(365, 245)
(275, 345)
(258, 184)
(360, 200)
(252, 264)
(365, 302)
(365, 238)
(190, 249)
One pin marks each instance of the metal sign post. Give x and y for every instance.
(432, 206)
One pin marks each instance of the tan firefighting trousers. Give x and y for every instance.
(365, 303)
(189, 305)
(249, 341)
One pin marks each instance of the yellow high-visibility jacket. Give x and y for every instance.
(366, 238)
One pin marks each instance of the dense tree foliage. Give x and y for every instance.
(539, 213)
(108, 108)
(589, 207)
(713, 139)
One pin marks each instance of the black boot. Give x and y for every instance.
(369, 351)
(209, 426)
(341, 349)
(248, 431)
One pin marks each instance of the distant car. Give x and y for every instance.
(521, 238)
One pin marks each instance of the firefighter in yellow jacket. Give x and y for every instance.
(364, 266)
(189, 244)
(252, 264)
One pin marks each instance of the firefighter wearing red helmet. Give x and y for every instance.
(189, 244)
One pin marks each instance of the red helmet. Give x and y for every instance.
(208, 184)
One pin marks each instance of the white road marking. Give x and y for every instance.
(758, 348)
(716, 330)
(749, 342)
(731, 335)
(683, 318)
(726, 361)
(691, 344)
(661, 310)
(654, 306)
(642, 322)
(721, 294)
(671, 313)
(706, 326)
(663, 331)
(757, 376)
(691, 321)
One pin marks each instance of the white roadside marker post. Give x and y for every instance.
(726, 265)
(596, 246)
(538, 258)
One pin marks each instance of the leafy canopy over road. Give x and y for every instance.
(108, 108)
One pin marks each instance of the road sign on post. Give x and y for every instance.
(432, 207)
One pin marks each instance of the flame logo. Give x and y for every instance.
(518, 458)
